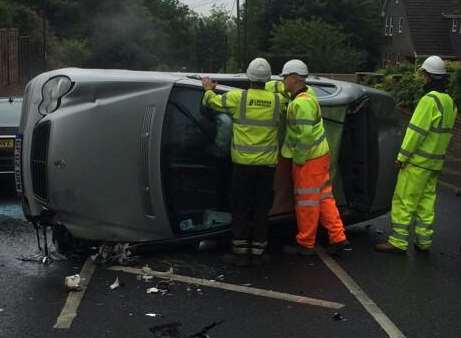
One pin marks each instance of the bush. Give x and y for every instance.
(406, 88)
(455, 87)
(325, 47)
(406, 85)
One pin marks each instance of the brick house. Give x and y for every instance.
(415, 29)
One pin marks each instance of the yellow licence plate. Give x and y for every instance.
(6, 143)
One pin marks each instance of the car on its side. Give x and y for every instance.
(113, 155)
(10, 116)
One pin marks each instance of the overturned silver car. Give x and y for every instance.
(117, 155)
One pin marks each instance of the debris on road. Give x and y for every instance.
(120, 253)
(220, 277)
(338, 317)
(204, 332)
(147, 278)
(115, 284)
(72, 283)
(146, 270)
(154, 315)
(1, 310)
(152, 290)
(41, 258)
(207, 245)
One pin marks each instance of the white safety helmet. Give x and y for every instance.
(259, 70)
(434, 65)
(295, 67)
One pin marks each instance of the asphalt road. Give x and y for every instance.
(419, 293)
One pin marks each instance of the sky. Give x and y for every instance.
(204, 6)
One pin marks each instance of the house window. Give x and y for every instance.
(391, 25)
(454, 25)
(401, 25)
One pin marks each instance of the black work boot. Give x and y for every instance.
(240, 255)
(387, 247)
(258, 253)
(423, 249)
(339, 248)
(298, 250)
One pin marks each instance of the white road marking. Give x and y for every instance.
(233, 287)
(373, 309)
(69, 311)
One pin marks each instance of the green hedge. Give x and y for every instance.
(406, 85)
(455, 87)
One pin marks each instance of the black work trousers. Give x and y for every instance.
(252, 198)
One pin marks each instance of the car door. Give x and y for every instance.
(196, 165)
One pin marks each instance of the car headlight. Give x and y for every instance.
(52, 92)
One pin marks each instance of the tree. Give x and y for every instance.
(212, 41)
(360, 19)
(68, 52)
(324, 47)
(123, 35)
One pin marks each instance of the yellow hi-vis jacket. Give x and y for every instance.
(305, 137)
(276, 86)
(429, 132)
(256, 116)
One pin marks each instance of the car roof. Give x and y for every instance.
(121, 75)
(10, 111)
(329, 92)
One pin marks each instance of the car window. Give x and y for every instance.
(323, 91)
(10, 113)
(198, 131)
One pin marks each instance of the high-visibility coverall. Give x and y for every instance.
(256, 116)
(306, 144)
(422, 154)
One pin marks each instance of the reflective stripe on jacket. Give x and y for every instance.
(429, 132)
(305, 136)
(256, 115)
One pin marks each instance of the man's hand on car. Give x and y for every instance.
(208, 84)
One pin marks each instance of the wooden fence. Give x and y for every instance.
(20, 60)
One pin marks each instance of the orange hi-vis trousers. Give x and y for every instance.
(314, 202)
